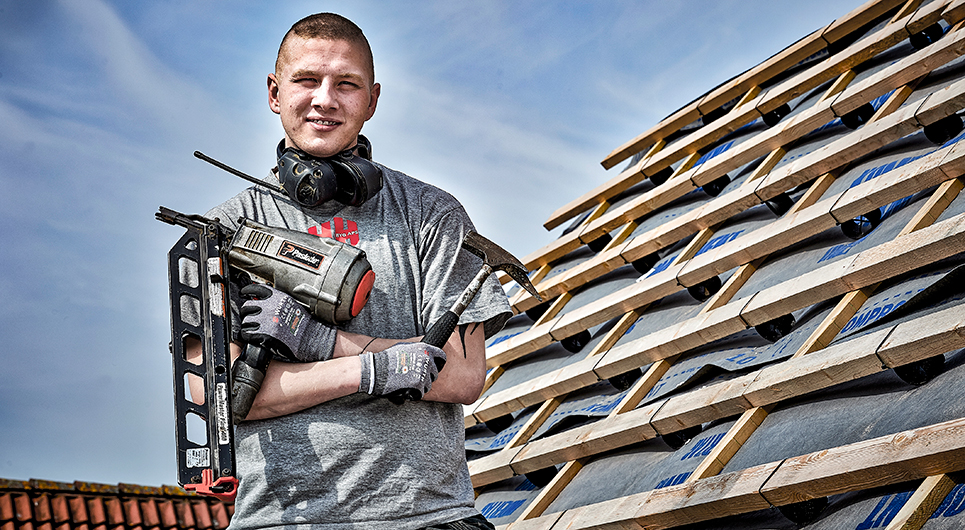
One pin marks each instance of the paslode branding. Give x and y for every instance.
(302, 255)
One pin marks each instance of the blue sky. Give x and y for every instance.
(510, 106)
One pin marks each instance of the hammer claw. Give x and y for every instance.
(499, 258)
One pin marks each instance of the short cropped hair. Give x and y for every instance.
(328, 26)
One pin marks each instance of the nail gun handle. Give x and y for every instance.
(247, 374)
(437, 336)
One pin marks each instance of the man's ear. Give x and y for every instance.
(373, 100)
(273, 102)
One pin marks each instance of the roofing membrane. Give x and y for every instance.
(789, 347)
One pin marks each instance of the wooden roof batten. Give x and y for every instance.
(889, 347)
(664, 283)
(857, 358)
(929, 172)
(673, 421)
(746, 401)
(905, 71)
(744, 84)
(857, 143)
(911, 455)
(698, 176)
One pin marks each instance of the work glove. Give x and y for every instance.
(274, 320)
(404, 366)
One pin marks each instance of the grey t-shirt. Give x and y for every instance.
(360, 462)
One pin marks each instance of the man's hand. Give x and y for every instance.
(272, 319)
(403, 366)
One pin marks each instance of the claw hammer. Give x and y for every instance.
(495, 258)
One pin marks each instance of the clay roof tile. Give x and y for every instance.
(22, 507)
(167, 514)
(219, 515)
(149, 513)
(60, 508)
(6, 507)
(96, 512)
(78, 508)
(202, 515)
(185, 514)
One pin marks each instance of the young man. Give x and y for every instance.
(322, 446)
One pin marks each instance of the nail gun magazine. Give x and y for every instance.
(197, 275)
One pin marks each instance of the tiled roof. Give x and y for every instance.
(48, 505)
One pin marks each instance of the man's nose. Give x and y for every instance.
(324, 96)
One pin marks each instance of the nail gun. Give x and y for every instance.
(333, 279)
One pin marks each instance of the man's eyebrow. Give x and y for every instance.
(303, 73)
(297, 74)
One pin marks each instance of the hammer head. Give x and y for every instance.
(499, 259)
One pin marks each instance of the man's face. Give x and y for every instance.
(324, 93)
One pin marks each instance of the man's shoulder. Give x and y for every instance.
(229, 210)
(253, 202)
(413, 189)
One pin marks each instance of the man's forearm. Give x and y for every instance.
(288, 387)
(292, 387)
(461, 379)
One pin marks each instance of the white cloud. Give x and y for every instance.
(132, 77)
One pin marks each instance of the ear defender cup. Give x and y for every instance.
(347, 177)
(306, 181)
(357, 179)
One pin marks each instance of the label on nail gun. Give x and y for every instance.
(199, 457)
(224, 423)
(215, 293)
(301, 255)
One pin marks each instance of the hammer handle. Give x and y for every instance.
(440, 331)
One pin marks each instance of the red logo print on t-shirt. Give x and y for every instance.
(338, 229)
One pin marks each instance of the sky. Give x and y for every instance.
(508, 105)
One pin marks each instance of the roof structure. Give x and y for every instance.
(758, 321)
(47, 505)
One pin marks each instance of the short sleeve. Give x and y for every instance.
(448, 269)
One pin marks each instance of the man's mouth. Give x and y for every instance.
(320, 121)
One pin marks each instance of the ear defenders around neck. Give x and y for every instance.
(348, 177)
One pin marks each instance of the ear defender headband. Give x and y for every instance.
(347, 177)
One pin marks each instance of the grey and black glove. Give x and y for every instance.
(404, 366)
(274, 320)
